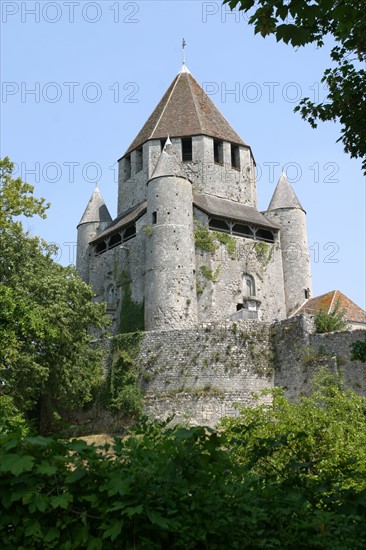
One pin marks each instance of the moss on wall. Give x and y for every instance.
(228, 241)
(211, 275)
(264, 252)
(125, 394)
(132, 313)
(204, 238)
(209, 241)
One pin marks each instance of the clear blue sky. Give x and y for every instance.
(98, 69)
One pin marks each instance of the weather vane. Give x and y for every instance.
(184, 44)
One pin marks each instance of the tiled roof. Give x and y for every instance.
(185, 110)
(96, 210)
(284, 196)
(328, 301)
(232, 210)
(122, 221)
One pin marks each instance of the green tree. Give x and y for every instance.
(11, 419)
(177, 488)
(358, 350)
(16, 197)
(330, 321)
(317, 444)
(300, 22)
(48, 357)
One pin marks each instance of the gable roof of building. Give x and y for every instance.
(328, 302)
(230, 209)
(96, 209)
(284, 196)
(185, 110)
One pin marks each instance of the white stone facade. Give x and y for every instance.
(189, 242)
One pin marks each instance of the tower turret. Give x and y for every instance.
(212, 155)
(285, 210)
(95, 219)
(170, 287)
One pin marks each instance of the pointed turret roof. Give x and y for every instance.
(284, 196)
(168, 164)
(96, 210)
(185, 110)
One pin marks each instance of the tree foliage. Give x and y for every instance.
(16, 197)
(299, 22)
(287, 476)
(318, 444)
(11, 419)
(358, 350)
(47, 356)
(330, 321)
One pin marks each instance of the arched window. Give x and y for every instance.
(110, 294)
(248, 286)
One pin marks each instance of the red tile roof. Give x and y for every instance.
(328, 301)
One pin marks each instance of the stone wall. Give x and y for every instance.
(200, 374)
(206, 176)
(218, 297)
(299, 352)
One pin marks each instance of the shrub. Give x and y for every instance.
(358, 351)
(11, 419)
(330, 322)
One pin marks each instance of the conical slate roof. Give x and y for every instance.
(168, 164)
(96, 210)
(284, 196)
(185, 110)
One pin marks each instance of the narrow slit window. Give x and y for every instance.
(127, 167)
(218, 151)
(235, 156)
(187, 149)
(139, 159)
(154, 217)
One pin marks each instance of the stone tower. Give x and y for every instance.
(285, 210)
(189, 245)
(95, 218)
(170, 283)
